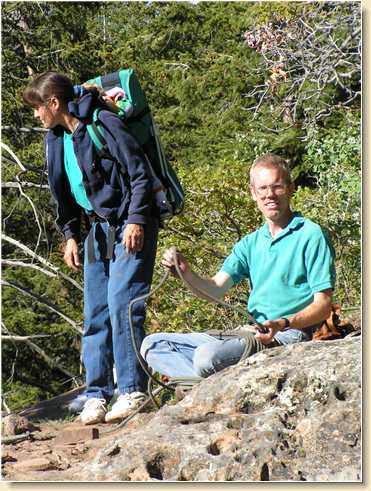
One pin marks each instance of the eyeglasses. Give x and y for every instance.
(277, 189)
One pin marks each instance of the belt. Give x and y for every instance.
(94, 218)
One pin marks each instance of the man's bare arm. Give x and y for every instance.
(216, 286)
(314, 313)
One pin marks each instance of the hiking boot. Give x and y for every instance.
(125, 405)
(94, 411)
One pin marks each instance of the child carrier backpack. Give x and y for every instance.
(128, 100)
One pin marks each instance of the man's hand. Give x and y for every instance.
(313, 314)
(133, 238)
(273, 327)
(168, 262)
(71, 255)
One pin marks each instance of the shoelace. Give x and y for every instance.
(133, 396)
(95, 403)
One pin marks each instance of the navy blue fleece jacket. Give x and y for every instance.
(114, 195)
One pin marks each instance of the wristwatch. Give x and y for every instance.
(287, 323)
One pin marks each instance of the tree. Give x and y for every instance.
(313, 61)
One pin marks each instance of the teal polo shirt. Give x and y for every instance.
(74, 173)
(284, 272)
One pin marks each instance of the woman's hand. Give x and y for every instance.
(71, 255)
(133, 238)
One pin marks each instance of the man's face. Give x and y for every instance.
(271, 193)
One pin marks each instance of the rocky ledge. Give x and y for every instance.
(286, 414)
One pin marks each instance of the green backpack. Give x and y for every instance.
(135, 112)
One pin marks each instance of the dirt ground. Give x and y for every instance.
(56, 449)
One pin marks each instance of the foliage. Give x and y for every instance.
(333, 156)
(202, 81)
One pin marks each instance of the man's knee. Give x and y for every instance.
(252, 346)
(147, 343)
(205, 359)
(212, 357)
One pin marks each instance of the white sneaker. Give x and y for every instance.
(94, 411)
(125, 405)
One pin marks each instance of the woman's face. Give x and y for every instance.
(48, 113)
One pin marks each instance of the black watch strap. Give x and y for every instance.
(287, 322)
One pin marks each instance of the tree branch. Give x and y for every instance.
(22, 339)
(41, 260)
(24, 184)
(6, 262)
(23, 169)
(49, 305)
(52, 363)
(306, 53)
(24, 130)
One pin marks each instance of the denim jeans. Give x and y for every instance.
(109, 286)
(198, 354)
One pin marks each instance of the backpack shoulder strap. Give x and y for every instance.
(96, 133)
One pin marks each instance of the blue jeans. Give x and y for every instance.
(198, 354)
(109, 286)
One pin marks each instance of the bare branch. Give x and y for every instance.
(305, 56)
(22, 339)
(193, 241)
(7, 262)
(30, 167)
(24, 185)
(7, 440)
(24, 130)
(41, 260)
(16, 159)
(182, 66)
(7, 409)
(12, 370)
(52, 363)
(23, 169)
(49, 305)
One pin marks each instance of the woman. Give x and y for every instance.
(119, 252)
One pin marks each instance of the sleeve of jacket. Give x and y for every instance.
(68, 212)
(126, 150)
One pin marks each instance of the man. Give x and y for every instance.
(289, 263)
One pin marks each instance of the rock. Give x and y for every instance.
(113, 450)
(15, 425)
(7, 457)
(77, 434)
(37, 464)
(286, 414)
(139, 474)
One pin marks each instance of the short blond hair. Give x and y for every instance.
(271, 161)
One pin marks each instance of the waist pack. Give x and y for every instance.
(131, 105)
